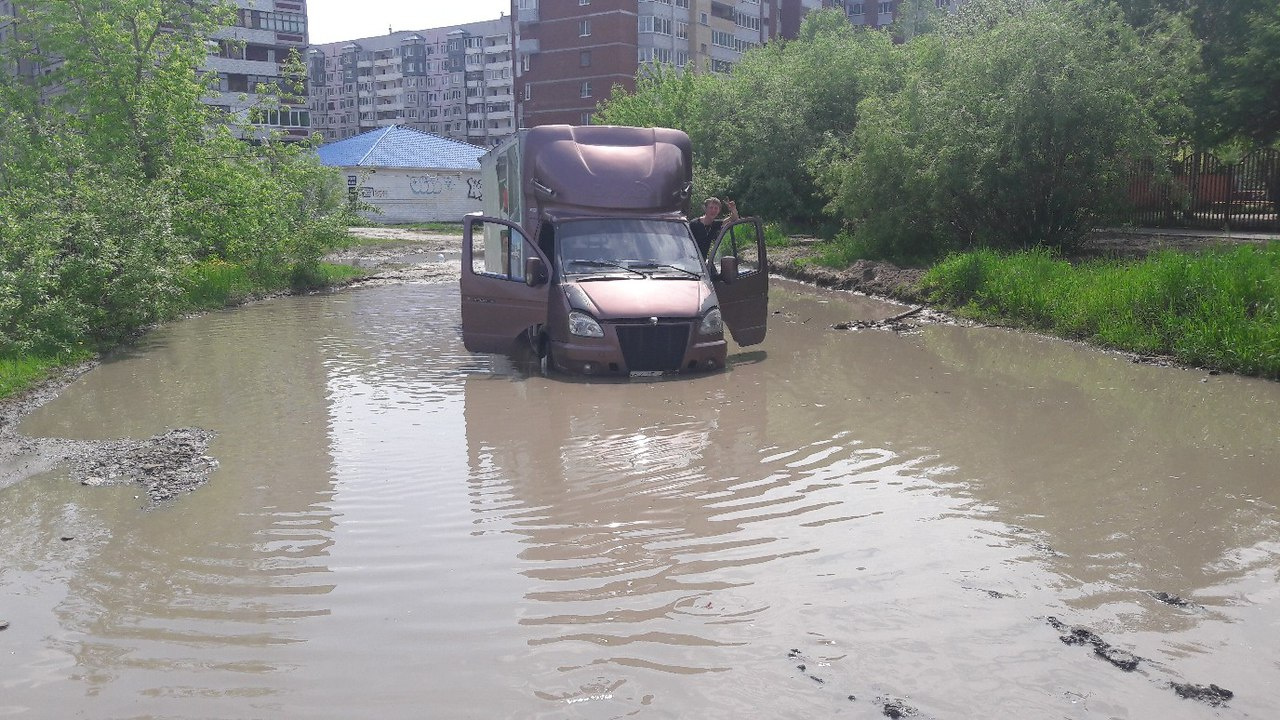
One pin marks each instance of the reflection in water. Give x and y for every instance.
(401, 529)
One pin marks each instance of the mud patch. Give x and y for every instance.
(896, 708)
(166, 465)
(1077, 635)
(1210, 694)
(442, 271)
(864, 276)
(1174, 600)
(898, 323)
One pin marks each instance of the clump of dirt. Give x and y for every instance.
(865, 276)
(1210, 694)
(896, 708)
(166, 465)
(1122, 659)
(1171, 599)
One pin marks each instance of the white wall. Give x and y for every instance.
(409, 196)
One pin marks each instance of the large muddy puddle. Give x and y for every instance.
(952, 523)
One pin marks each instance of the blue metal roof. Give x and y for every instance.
(401, 147)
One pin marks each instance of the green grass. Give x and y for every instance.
(1218, 310)
(217, 284)
(774, 236)
(21, 372)
(848, 247)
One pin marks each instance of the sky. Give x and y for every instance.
(336, 20)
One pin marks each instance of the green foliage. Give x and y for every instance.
(115, 177)
(1237, 95)
(1219, 310)
(1010, 128)
(18, 372)
(762, 126)
(669, 97)
(664, 97)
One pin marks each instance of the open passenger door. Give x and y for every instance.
(504, 284)
(744, 289)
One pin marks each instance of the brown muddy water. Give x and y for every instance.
(843, 524)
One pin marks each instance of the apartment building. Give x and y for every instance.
(250, 54)
(454, 81)
(570, 54)
(244, 57)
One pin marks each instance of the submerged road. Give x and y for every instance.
(951, 522)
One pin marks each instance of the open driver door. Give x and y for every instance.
(741, 279)
(504, 284)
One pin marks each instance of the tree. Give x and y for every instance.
(1010, 128)
(766, 121)
(116, 176)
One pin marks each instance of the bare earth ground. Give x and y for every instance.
(172, 463)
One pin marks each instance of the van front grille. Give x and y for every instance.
(653, 348)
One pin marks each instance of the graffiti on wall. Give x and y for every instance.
(430, 184)
(475, 190)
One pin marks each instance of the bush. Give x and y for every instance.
(1008, 133)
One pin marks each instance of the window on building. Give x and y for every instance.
(586, 119)
(584, 28)
(584, 58)
(855, 9)
(528, 91)
(886, 8)
(585, 90)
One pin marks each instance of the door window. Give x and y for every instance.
(498, 250)
(739, 241)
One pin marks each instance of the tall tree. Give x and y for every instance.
(1009, 129)
(123, 72)
(781, 102)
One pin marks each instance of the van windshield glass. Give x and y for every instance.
(624, 246)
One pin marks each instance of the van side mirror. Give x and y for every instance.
(535, 272)
(728, 268)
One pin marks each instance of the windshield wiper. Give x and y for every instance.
(605, 263)
(658, 266)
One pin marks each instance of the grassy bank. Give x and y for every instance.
(1219, 309)
(205, 286)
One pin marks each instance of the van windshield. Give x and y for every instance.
(625, 246)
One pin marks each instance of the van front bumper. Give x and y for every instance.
(635, 347)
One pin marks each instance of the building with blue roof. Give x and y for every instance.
(408, 175)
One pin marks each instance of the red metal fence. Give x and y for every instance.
(1201, 191)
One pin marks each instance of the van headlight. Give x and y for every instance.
(711, 323)
(583, 325)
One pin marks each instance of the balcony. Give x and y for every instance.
(530, 46)
(527, 15)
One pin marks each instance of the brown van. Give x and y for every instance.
(584, 254)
